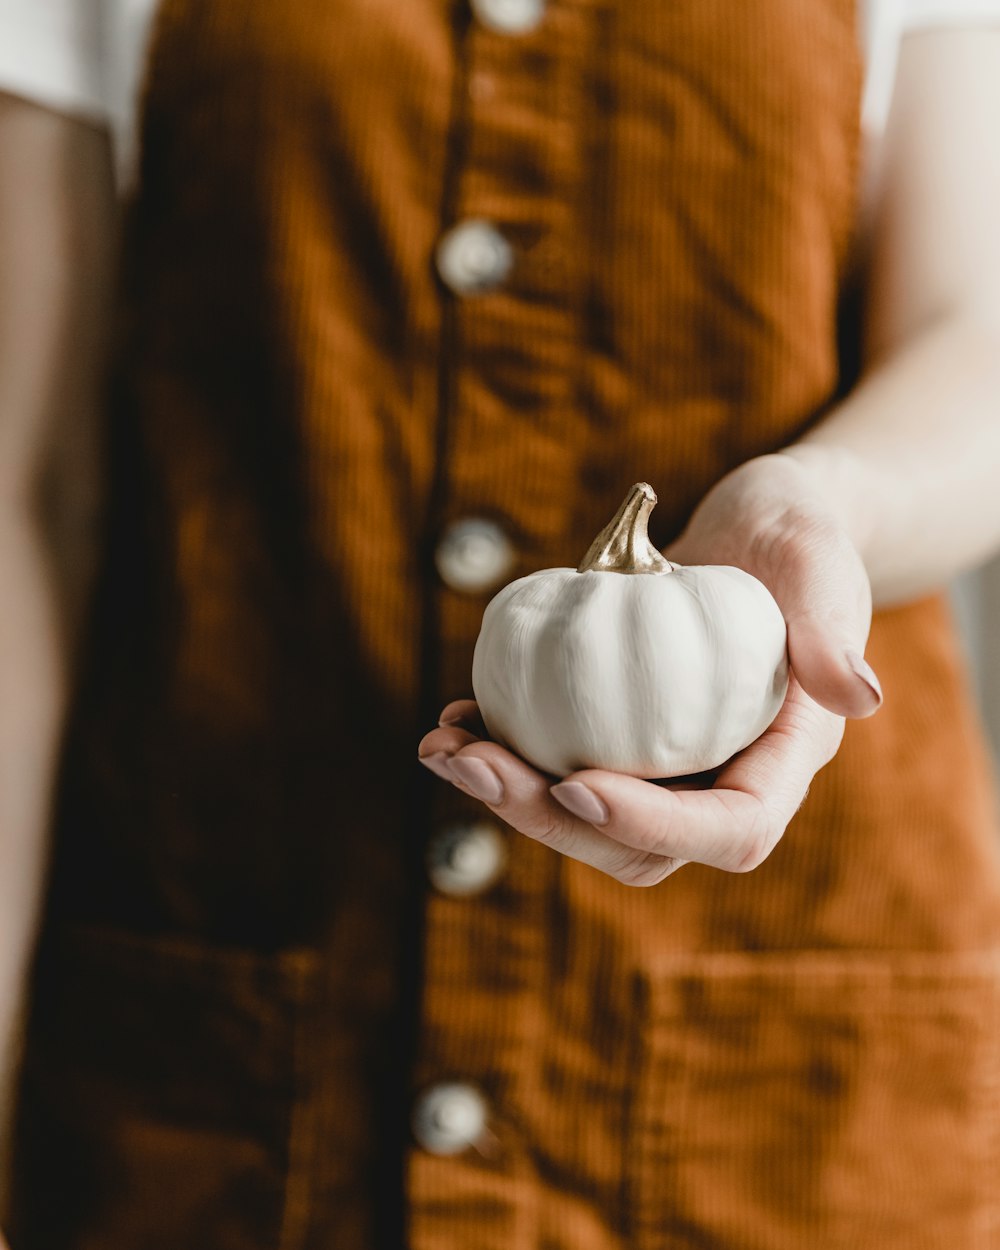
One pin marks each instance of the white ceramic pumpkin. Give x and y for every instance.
(630, 663)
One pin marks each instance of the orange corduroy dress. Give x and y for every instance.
(252, 966)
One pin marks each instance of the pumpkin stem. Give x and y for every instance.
(623, 545)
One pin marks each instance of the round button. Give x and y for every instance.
(473, 257)
(473, 555)
(466, 859)
(509, 17)
(449, 1117)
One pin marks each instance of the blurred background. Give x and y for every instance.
(977, 601)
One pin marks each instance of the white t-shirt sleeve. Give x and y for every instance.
(885, 22)
(51, 52)
(919, 14)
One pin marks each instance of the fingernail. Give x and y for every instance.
(581, 801)
(862, 669)
(438, 763)
(455, 719)
(476, 775)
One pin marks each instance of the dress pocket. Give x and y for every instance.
(835, 1101)
(161, 1095)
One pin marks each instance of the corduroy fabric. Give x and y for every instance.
(244, 977)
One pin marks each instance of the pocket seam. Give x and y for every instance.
(817, 985)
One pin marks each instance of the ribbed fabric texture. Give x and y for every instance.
(245, 977)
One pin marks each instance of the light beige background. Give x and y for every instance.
(977, 601)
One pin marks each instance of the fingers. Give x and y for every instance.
(640, 832)
(520, 795)
(781, 764)
(708, 826)
(736, 824)
(464, 712)
(439, 746)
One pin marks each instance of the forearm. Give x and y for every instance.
(909, 462)
(33, 679)
(57, 226)
(48, 557)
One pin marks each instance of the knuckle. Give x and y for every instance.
(757, 844)
(794, 538)
(834, 738)
(550, 828)
(751, 856)
(644, 870)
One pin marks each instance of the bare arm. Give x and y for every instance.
(56, 236)
(910, 461)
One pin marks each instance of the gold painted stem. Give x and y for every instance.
(623, 545)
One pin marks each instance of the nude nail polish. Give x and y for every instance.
(438, 764)
(581, 801)
(478, 777)
(864, 672)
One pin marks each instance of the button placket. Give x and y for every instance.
(513, 355)
(482, 961)
(508, 378)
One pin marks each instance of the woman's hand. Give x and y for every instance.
(766, 518)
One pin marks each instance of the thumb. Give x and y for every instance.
(825, 598)
(831, 670)
(767, 518)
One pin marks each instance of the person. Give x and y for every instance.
(408, 295)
